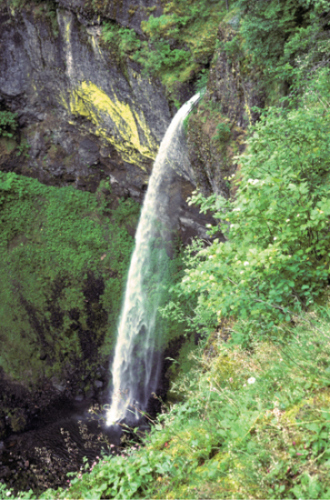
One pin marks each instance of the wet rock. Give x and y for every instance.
(128, 13)
(82, 117)
(5, 471)
(59, 385)
(216, 133)
(89, 152)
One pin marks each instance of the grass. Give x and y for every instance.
(253, 423)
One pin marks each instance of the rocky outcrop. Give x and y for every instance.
(128, 13)
(81, 117)
(216, 132)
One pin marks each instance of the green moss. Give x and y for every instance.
(64, 257)
(7, 145)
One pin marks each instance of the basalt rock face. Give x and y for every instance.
(216, 132)
(128, 13)
(83, 120)
(81, 117)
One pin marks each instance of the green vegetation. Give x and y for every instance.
(248, 409)
(180, 43)
(64, 257)
(252, 424)
(276, 259)
(288, 38)
(8, 124)
(121, 42)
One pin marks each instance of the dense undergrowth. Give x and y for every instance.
(275, 261)
(251, 424)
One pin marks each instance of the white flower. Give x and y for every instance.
(298, 215)
(237, 209)
(246, 263)
(251, 380)
(288, 220)
(241, 272)
(253, 181)
(275, 238)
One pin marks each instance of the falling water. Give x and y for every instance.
(136, 363)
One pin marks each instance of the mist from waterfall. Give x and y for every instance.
(136, 363)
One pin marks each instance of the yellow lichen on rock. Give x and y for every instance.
(115, 121)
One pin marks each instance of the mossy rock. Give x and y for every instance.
(64, 257)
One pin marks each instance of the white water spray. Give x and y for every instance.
(135, 367)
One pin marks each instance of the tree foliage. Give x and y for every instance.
(287, 37)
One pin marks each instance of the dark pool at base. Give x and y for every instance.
(65, 432)
(41, 457)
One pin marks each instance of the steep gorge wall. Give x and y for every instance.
(216, 131)
(83, 117)
(87, 122)
(91, 121)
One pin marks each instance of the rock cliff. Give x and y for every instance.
(216, 131)
(88, 121)
(81, 117)
(83, 114)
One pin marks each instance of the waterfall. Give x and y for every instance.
(136, 363)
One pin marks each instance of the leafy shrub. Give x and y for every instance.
(121, 41)
(181, 41)
(276, 259)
